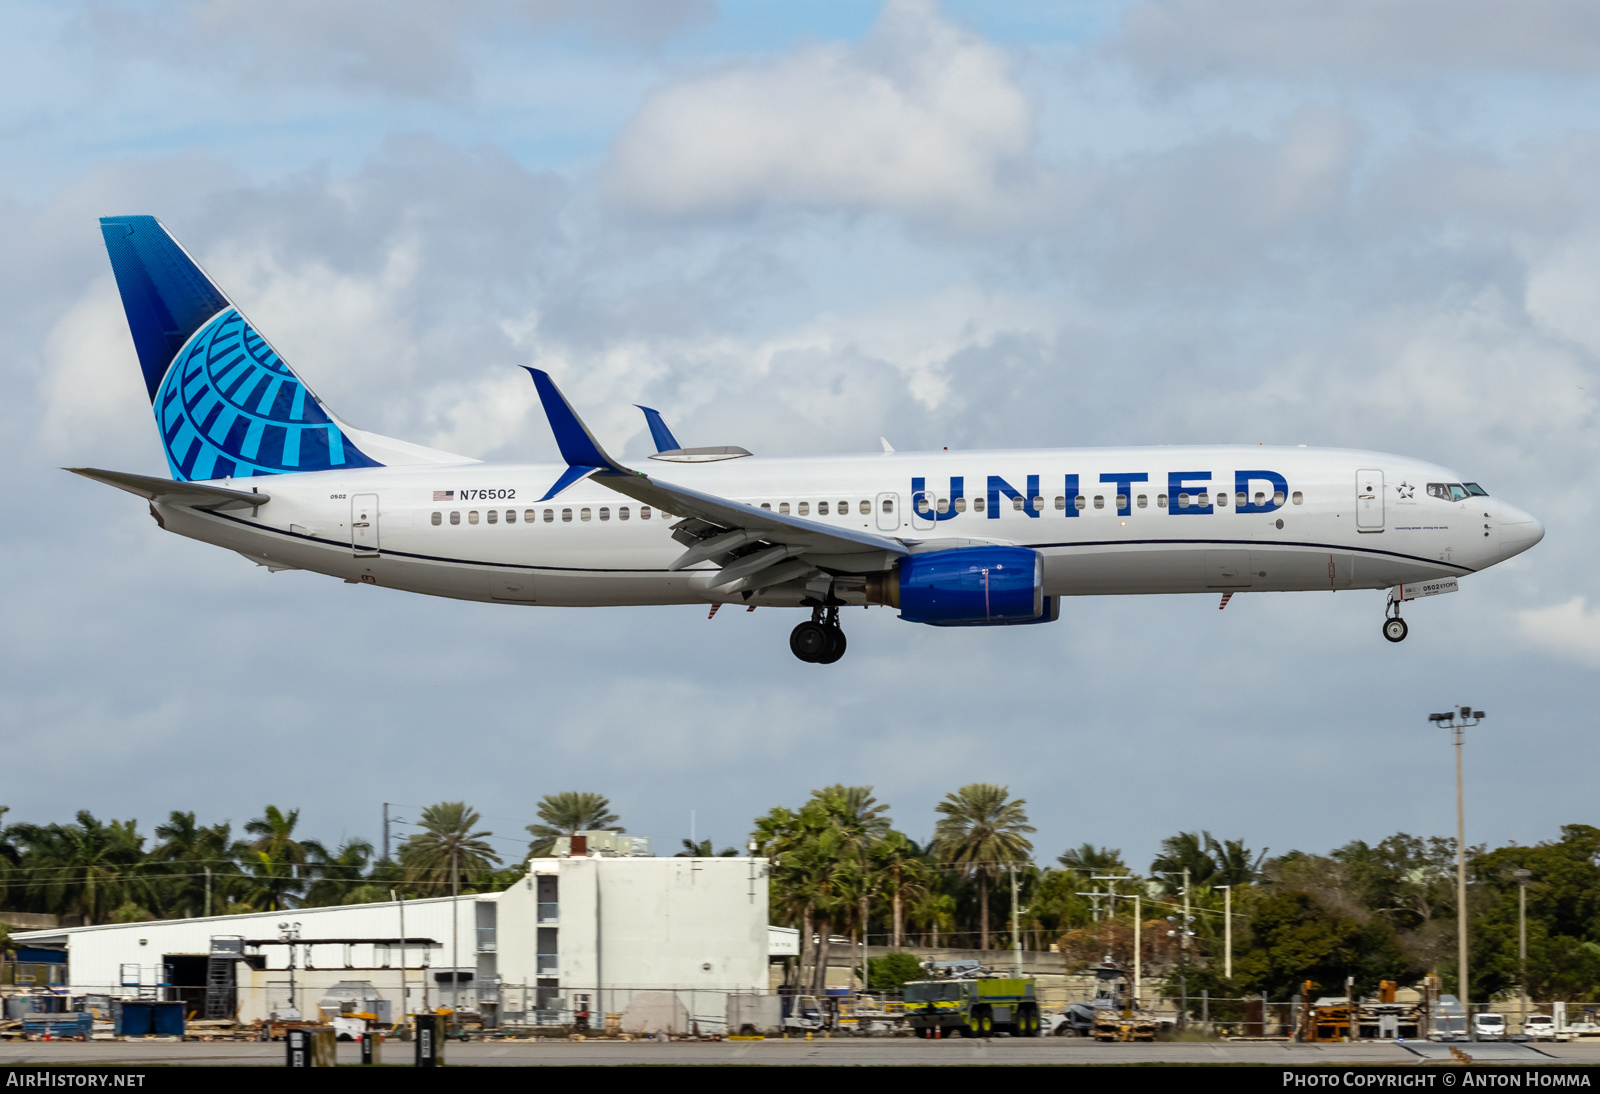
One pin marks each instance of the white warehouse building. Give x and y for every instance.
(601, 928)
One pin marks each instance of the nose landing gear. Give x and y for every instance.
(1394, 628)
(819, 640)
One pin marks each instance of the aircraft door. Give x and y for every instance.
(888, 508)
(1369, 500)
(364, 525)
(924, 507)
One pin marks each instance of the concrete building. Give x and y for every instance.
(605, 928)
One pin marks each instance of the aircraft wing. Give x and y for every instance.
(193, 494)
(755, 545)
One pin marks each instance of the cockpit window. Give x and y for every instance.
(1475, 490)
(1454, 491)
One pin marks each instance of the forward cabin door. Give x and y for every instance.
(1369, 500)
(364, 525)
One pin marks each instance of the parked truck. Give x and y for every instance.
(964, 998)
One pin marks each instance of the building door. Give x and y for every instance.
(888, 512)
(364, 525)
(1369, 500)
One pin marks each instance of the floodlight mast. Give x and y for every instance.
(1457, 721)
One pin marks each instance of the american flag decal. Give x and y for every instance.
(444, 495)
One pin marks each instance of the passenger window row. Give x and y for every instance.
(803, 508)
(531, 516)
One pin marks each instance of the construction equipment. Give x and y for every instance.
(966, 998)
(1115, 1015)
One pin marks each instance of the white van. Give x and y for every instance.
(1488, 1027)
(1540, 1027)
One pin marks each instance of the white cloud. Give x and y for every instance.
(95, 405)
(1197, 39)
(1570, 630)
(922, 117)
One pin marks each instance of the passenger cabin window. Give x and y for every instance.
(472, 516)
(549, 515)
(511, 516)
(1038, 504)
(1080, 502)
(1122, 501)
(1183, 501)
(435, 520)
(1061, 503)
(1161, 501)
(494, 516)
(605, 512)
(530, 515)
(977, 505)
(1144, 501)
(644, 512)
(1298, 498)
(844, 509)
(865, 509)
(944, 505)
(622, 512)
(566, 516)
(783, 507)
(455, 517)
(1261, 498)
(822, 508)
(767, 505)
(1099, 501)
(1277, 497)
(1240, 498)
(888, 505)
(805, 509)
(583, 514)
(1016, 503)
(1222, 500)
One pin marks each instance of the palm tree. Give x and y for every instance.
(981, 833)
(279, 864)
(447, 850)
(1090, 859)
(568, 813)
(342, 874)
(89, 868)
(702, 849)
(906, 877)
(200, 857)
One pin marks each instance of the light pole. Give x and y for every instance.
(1522, 877)
(289, 932)
(1458, 721)
(1227, 930)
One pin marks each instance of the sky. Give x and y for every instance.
(799, 228)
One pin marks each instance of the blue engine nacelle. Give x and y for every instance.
(971, 587)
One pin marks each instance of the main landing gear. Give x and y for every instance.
(820, 639)
(1394, 628)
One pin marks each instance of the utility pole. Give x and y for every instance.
(404, 990)
(1227, 929)
(1016, 936)
(455, 930)
(386, 833)
(208, 891)
(1457, 721)
(1138, 955)
(1522, 877)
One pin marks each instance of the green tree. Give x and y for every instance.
(891, 971)
(566, 814)
(279, 865)
(1089, 859)
(980, 834)
(186, 852)
(88, 868)
(702, 849)
(343, 873)
(447, 851)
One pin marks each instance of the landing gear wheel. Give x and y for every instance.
(836, 645)
(810, 641)
(1395, 629)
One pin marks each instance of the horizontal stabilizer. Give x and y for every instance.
(171, 492)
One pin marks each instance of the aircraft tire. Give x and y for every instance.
(810, 642)
(1395, 629)
(836, 646)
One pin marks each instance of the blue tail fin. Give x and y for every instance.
(665, 441)
(226, 403)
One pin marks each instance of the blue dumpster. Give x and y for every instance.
(142, 1018)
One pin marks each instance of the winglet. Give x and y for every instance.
(665, 441)
(577, 444)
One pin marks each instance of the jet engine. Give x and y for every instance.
(967, 587)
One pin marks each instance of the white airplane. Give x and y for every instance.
(957, 539)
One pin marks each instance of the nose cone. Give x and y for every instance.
(1518, 530)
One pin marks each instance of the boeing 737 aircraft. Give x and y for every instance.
(953, 539)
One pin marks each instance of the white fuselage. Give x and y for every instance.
(445, 531)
